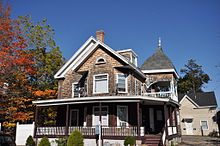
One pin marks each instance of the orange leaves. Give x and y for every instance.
(45, 93)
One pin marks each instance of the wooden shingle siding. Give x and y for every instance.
(90, 65)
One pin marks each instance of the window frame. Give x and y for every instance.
(93, 115)
(73, 84)
(126, 82)
(102, 62)
(206, 122)
(118, 120)
(94, 85)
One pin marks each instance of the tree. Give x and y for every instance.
(75, 139)
(47, 55)
(16, 67)
(194, 78)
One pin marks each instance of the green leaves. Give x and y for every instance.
(194, 78)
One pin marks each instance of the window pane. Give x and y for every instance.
(101, 86)
(121, 83)
(75, 88)
(122, 115)
(204, 124)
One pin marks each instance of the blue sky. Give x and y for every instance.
(189, 28)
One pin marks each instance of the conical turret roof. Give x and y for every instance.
(157, 61)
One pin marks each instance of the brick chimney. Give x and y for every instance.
(100, 35)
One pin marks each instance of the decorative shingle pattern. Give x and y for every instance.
(157, 61)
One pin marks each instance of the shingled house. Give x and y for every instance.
(198, 113)
(100, 84)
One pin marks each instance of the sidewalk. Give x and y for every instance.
(199, 141)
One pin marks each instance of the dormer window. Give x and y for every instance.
(100, 60)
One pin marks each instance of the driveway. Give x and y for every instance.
(200, 141)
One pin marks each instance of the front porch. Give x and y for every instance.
(119, 117)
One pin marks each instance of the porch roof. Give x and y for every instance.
(104, 99)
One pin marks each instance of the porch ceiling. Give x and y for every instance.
(103, 99)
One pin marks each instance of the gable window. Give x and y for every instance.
(122, 116)
(100, 83)
(121, 83)
(100, 60)
(75, 90)
(204, 125)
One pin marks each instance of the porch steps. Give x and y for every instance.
(151, 140)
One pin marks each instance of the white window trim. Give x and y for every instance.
(93, 115)
(126, 82)
(97, 60)
(74, 83)
(207, 124)
(77, 110)
(118, 121)
(94, 83)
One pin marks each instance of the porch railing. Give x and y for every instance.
(87, 131)
(172, 130)
(158, 94)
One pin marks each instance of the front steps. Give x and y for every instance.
(151, 140)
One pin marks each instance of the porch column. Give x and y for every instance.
(138, 119)
(67, 120)
(166, 118)
(36, 123)
(176, 124)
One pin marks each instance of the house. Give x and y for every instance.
(100, 84)
(198, 113)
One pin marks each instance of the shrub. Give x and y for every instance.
(213, 134)
(61, 141)
(129, 140)
(30, 141)
(75, 139)
(44, 142)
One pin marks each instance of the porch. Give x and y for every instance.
(120, 117)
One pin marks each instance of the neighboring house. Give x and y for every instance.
(198, 113)
(99, 83)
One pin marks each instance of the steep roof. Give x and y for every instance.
(201, 99)
(157, 61)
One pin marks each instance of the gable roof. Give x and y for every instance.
(203, 99)
(84, 51)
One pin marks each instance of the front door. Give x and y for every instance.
(74, 117)
(189, 128)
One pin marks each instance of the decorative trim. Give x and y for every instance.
(161, 71)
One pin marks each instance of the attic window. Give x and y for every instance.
(100, 60)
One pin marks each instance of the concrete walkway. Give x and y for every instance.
(200, 141)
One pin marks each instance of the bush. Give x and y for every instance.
(44, 142)
(30, 141)
(129, 140)
(75, 139)
(61, 141)
(213, 134)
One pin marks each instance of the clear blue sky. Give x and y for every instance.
(189, 28)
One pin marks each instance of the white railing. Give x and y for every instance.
(158, 94)
(88, 131)
(164, 137)
(172, 130)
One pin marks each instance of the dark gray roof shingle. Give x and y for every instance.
(201, 99)
(157, 61)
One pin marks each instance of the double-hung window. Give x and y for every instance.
(75, 90)
(121, 83)
(100, 83)
(204, 125)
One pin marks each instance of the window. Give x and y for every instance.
(100, 60)
(204, 125)
(75, 90)
(121, 83)
(122, 116)
(100, 83)
(104, 115)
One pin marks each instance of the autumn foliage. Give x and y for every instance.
(26, 67)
